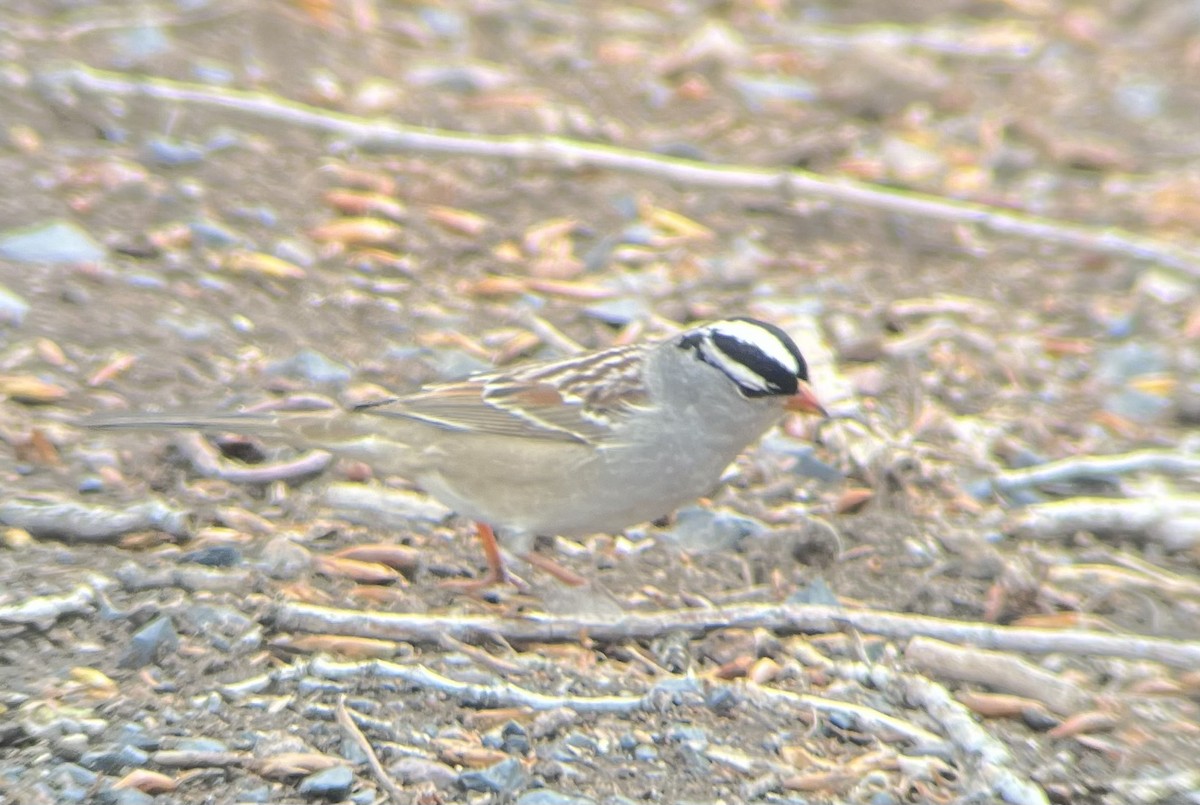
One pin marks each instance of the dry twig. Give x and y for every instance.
(572, 154)
(546, 628)
(44, 610)
(1168, 520)
(506, 694)
(1099, 468)
(996, 670)
(206, 461)
(988, 760)
(77, 522)
(351, 729)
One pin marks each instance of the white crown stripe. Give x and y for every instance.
(760, 339)
(742, 374)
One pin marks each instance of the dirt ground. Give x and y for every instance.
(978, 219)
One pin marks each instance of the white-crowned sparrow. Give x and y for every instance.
(591, 443)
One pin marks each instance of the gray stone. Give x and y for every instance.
(331, 784)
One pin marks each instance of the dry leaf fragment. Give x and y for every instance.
(385, 597)
(488, 719)
(1191, 328)
(16, 538)
(97, 683)
(1062, 620)
(494, 286)
(1086, 722)
(148, 782)
(308, 594)
(116, 366)
(399, 557)
(170, 237)
(366, 203)
(801, 758)
(353, 647)
(245, 521)
(507, 252)
(220, 535)
(1157, 686)
(363, 572)
(30, 390)
(737, 667)
(357, 232)
(1156, 385)
(50, 352)
(461, 222)
(546, 235)
(466, 753)
(1060, 346)
(764, 670)
(570, 290)
(293, 764)
(264, 265)
(998, 705)
(363, 179)
(676, 225)
(853, 500)
(831, 781)
(520, 344)
(37, 449)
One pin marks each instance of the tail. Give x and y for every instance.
(345, 433)
(248, 424)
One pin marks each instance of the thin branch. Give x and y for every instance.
(575, 155)
(1169, 520)
(498, 693)
(540, 627)
(1100, 468)
(996, 670)
(992, 761)
(207, 461)
(44, 610)
(866, 719)
(505, 694)
(78, 522)
(992, 775)
(351, 729)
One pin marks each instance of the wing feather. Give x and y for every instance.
(576, 399)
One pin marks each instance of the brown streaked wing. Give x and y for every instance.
(573, 399)
(461, 407)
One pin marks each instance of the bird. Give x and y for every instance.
(587, 444)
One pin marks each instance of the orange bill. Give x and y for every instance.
(804, 401)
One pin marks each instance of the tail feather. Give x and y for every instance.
(249, 424)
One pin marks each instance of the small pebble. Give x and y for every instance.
(114, 760)
(416, 770)
(515, 739)
(332, 784)
(12, 307)
(502, 778)
(155, 637)
(50, 242)
(171, 153)
(258, 792)
(312, 366)
(645, 753)
(201, 745)
(213, 235)
(700, 530)
(284, 559)
(124, 796)
(546, 796)
(214, 556)
(815, 592)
